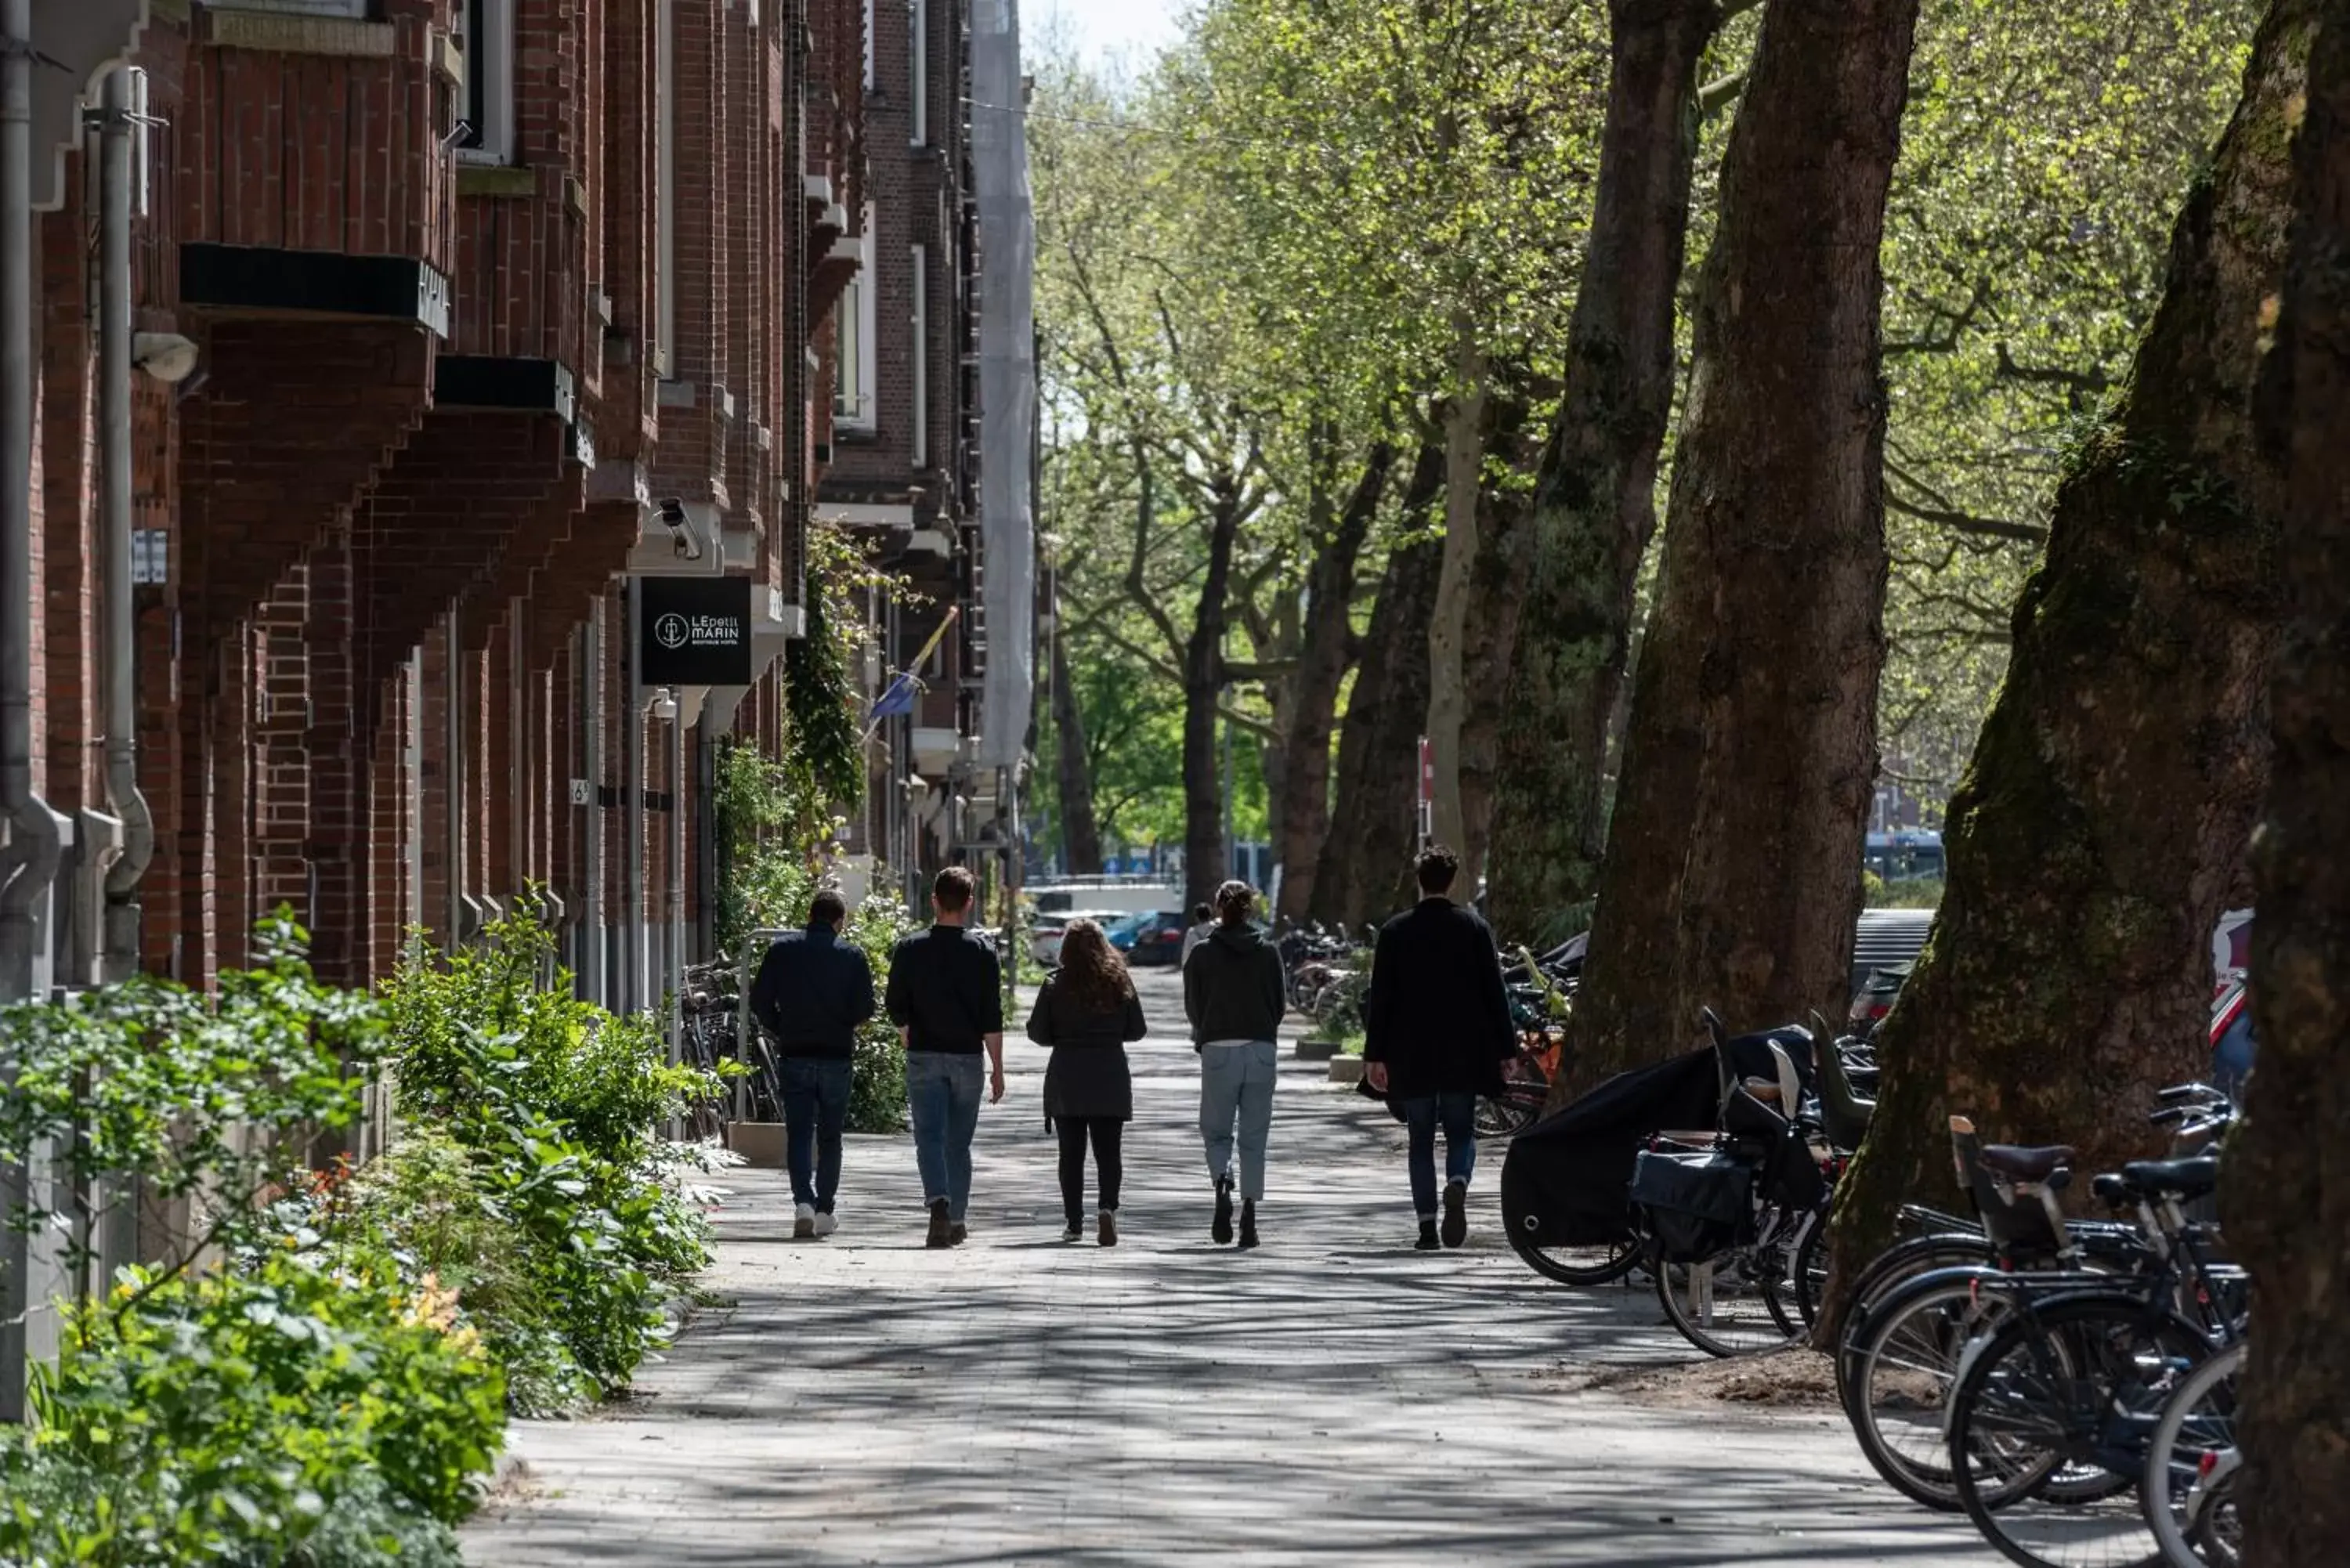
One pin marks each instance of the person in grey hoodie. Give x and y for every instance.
(1234, 993)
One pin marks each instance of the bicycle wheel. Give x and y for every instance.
(1904, 1365)
(1730, 1304)
(2189, 1492)
(1577, 1266)
(1892, 1270)
(1810, 1277)
(2048, 1429)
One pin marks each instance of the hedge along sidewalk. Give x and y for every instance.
(316, 1371)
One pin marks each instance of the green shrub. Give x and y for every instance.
(553, 1102)
(229, 1416)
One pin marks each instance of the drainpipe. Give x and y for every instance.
(591, 765)
(676, 978)
(453, 774)
(30, 862)
(632, 791)
(705, 823)
(114, 327)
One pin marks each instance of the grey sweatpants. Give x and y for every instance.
(1236, 1085)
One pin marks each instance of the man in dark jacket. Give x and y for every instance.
(1234, 993)
(812, 992)
(1438, 1027)
(946, 996)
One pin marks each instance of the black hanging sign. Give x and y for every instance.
(696, 631)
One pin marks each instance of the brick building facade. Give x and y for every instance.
(457, 324)
(904, 470)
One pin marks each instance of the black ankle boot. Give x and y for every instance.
(1427, 1242)
(1222, 1227)
(1248, 1225)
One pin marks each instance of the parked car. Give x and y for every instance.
(1045, 936)
(1152, 939)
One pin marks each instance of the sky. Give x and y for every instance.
(1105, 31)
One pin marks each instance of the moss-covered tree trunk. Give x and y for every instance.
(1369, 850)
(1205, 853)
(1593, 506)
(2287, 1198)
(1328, 648)
(1734, 864)
(1496, 600)
(2104, 815)
(1465, 427)
(1073, 770)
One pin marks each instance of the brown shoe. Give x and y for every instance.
(1108, 1234)
(941, 1232)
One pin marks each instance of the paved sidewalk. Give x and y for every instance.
(1333, 1397)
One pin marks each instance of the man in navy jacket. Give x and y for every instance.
(812, 992)
(1438, 1027)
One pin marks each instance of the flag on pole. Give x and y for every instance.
(898, 697)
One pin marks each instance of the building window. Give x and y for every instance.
(486, 35)
(853, 335)
(921, 444)
(869, 46)
(918, 71)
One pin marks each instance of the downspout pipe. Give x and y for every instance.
(632, 792)
(30, 862)
(117, 170)
(591, 845)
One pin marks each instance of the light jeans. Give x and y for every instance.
(1236, 1084)
(942, 1092)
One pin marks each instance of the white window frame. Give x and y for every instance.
(856, 341)
(919, 446)
(918, 72)
(869, 46)
(489, 65)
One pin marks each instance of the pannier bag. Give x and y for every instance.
(1698, 1204)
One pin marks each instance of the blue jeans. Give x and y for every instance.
(1236, 1084)
(815, 1109)
(1422, 1115)
(942, 1092)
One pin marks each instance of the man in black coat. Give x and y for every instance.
(812, 992)
(1439, 1030)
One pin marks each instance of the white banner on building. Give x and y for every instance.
(1007, 375)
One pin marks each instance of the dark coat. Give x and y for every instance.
(1436, 1014)
(812, 992)
(1087, 1075)
(1232, 986)
(946, 990)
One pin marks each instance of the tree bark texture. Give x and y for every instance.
(1080, 832)
(1366, 858)
(1447, 625)
(1733, 873)
(1496, 594)
(1205, 853)
(2091, 845)
(1595, 506)
(2287, 1190)
(1328, 647)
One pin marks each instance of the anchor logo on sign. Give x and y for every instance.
(669, 631)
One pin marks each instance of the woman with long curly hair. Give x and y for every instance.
(1086, 1012)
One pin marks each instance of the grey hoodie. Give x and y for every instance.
(1233, 988)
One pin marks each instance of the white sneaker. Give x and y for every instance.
(804, 1222)
(825, 1223)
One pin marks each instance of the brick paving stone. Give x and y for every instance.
(1333, 1397)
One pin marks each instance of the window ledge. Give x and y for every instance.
(496, 182)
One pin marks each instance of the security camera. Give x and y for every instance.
(459, 134)
(166, 356)
(681, 533)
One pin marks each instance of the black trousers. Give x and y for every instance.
(1105, 1132)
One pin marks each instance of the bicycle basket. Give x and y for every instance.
(1696, 1204)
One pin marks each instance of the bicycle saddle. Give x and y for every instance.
(2025, 1163)
(2182, 1177)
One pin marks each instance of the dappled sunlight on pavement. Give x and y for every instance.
(1333, 1397)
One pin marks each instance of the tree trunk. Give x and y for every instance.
(1204, 852)
(1303, 794)
(1367, 853)
(2287, 1197)
(1734, 874)
(2091, 844)
(1080, 834)
(1447, 625)
(1497, 582)
(1595, 493)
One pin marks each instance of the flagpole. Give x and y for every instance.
(873, 720)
